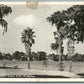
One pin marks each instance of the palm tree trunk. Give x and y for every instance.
(60, 54)
(27, 53)
(28, 63)
(29, 58)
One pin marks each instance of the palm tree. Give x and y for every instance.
(28, 40)
(4, 11)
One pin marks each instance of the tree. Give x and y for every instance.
(70, 23)
(76, 14)
(56, 57)
(42, 55)
(17, 55)
(54, 46)
(1, 56)
(51, 56)
(75, 25)
(28, 40)
(23, 56)
(58, 19)
(4, 11)
(34, 56)
(8, 56)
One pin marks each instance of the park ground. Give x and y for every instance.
(77, 67)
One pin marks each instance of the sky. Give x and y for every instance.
(23, 17)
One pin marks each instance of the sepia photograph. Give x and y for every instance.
(42, 40)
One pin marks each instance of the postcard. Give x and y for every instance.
(42, 41)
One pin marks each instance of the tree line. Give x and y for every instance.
(40, 56)
(17, 55)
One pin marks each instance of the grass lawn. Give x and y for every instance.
(78, 67)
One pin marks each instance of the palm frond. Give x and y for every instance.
(33, 41)
(4, 10)
(4, 25)
(28, 36)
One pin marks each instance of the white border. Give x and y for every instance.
(47, 3)
(42, 80)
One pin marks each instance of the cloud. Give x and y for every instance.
(26, 20)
